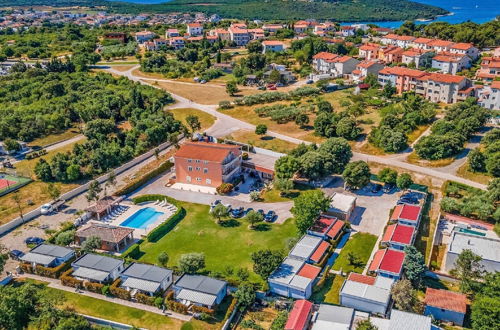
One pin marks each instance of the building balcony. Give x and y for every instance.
(231, 162)
(228, 176)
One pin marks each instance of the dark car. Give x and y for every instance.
(261, 211)
(388, 188)
(269, 216)
(34, 240)
(237, 213)
(248, 210)
(408, 201)
(16, 254)
(376, 188)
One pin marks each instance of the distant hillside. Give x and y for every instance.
(339, 10)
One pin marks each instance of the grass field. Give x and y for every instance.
(273, 195)
(427, 227)
(206, 120)
(54, 138)
(361, 245)
(414, 159)
(464, 172)
(266, 142)
(329, 293)
(224, 246)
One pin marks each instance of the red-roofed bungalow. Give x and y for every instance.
(320, 252)
(299, 317)
(321, 226)
(445, 305)
(388, 263)
(398, 236)
(407, 214)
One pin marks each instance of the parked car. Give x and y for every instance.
(279, 85)
(310, 81)
(272, 88)
(46, 208)
(16, 254)
(261, 211)
(237, 213)
(261, 88)
(34, 240)
(203, 81)
(269, 217)
(388, 188)
(248, 210)
(376, 188)
(408, 200)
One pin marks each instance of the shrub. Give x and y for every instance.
(170, 295)
(93, 287)
(231, 308)
(158, 302)
(119, 292)
(224, 188)
(225, 105)
(244, 156)
(144, 299)
(177, 307)
(134, 185)
(200, 309)
(52, 272)
(105, 290)
(68, 280)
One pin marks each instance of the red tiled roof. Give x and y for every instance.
(388, 233)
(422, 40)
(355, 277)
(320, 252)
(356, 72)
(309, 271)
(214, 152)
(366, 64)
(462, 46)
(447, 58)
(495, 85)
(322, 224)
(401, 71)
(388, 260)
(406, 212)
(403, 234)
(440, 43)
(324, 56)
(273, 43)
(106, 233)
(299, 315)
(336, 228)
(369, 47)
(445, 299)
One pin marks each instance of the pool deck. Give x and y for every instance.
(132, 208)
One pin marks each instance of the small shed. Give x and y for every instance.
(342, 206)
(445, 305)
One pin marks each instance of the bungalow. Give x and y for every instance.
(147, 279)
(172, 33)
(388, 263)
(311, 249)
(48, 255)
(299, 316)
(366, 293)
(321, 226)
(465, 48)
(341, 206)
(347, 31)
(113, 238)
(398, 236)
(451, 63)
(294, 279)
(445, 305)
(407, 214)
(194, 29)
(272, 46)
(96, 268)
(119, 36)
(404, 320)
(365, 68)
(143, 36)
(329, 317)
(200, 290)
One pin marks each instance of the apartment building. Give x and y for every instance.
(418, 56)
(451, 63)
(143, 36)
(272, 28)
(207, 164)
(366, 67)
(333, 64)
(239, 36)
(272, 46)
(465, 48)
(490, 68)
(403, 79)
(369, 51)
(194, 29)
(391, 54)
(489, 96)
(444, 88)
(396, 40)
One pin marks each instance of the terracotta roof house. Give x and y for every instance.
(407, 214)
(299, 316)
(446, 305)
(113, 238)
(388, 263)
(272, 46)
(366, 293)
(398, 236)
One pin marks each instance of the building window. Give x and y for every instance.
(205, 170)
(198, 160)
(190, 168)
(198, 179)
(190, 160)
(198, 168)
(208, 181)
(188, 178)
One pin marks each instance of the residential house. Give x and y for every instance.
(421, 43)
(335, 66)
(388, 263)
(256, 34)
(398, 236)
(347, 31)
(440, 45)
(146, 279)
(404, 320)
(465, 48)
(172, 33)
(300, 28)
(382, 31)
(444, 305)
(272, 46)
(200, 290)
(222, 34)
(407, 214)
(311, 249)
(272, 28)
(143, 36)
(149, 46)
(418, 56)
(488, 248)
(369, 51)
(489, 96)
(365, 68)
(330, 317)
(403, 79)
(366, 293)
(97, 268)
(490, 68)
(451, 63)
(47, 255)
(439, 87)
(397, 40)
(326, 227)
(299, 316)
(294, 279)
(118, 36)
(177, 42)
(113, 238)
(194, 29)
(208, 164)
(341, 206)
(240, 37)
(391, 54)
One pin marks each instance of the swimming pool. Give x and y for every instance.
(473, 232)
(142, 218)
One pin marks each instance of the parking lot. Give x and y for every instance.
(372, 209)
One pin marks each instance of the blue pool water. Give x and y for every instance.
(142, 218)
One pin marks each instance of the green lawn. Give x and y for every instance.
(361, 245)
(329, 293)
(224, 246)
(273, 195)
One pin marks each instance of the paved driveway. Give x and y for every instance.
(372, 210)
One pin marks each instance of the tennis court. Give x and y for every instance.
(10, 183)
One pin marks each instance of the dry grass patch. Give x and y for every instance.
(266, 142)
(206, 120)
(464, 172)
(414, 159)
(413, 136)
(54, 138)
(262, 317)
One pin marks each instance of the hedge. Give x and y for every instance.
(145, 299)
(51, 272)
(176, 307)
(154, 197)
(166, 226)
(134, 185)
(93, 287)
(200, 309)
(66, 227)
(134, 251)
(230, 310)
(68, 280)
(119, 292)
